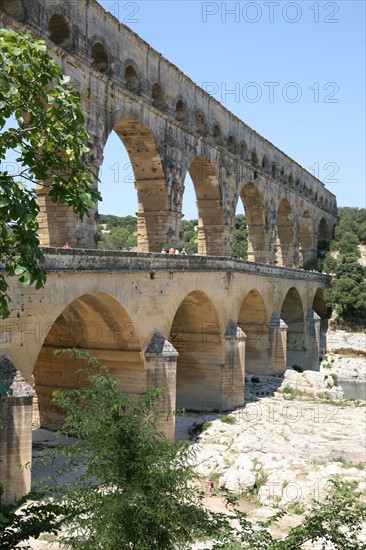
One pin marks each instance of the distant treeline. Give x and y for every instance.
(121, 233)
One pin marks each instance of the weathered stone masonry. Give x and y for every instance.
(170, 126)
(193, 324)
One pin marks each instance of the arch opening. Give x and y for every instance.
(231, 144)
(254, 157)
(158, 96)
(210, 229)
(60, 31)
(97, 323)
(100, 58)
(243, 150)
(200, 123)
(180, 111)
(257, 242)
(292, 314)
(306, 243)
(132, 79)
(216, 133)
(285, 235)
(139, 167)
(195, 334)
(253, 321)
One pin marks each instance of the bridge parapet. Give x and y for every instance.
(60, 259)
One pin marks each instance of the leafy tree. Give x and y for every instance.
(17, 526)
(137, 490)
(347, 292)
(190, 236)
(50, 144)
(361, 231)
(337, 521)
(111, 221)
(350, 221)
(118, 238)
(347, 243)
(240, 237)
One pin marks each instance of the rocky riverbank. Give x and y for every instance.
(345, 356)
(279, 451)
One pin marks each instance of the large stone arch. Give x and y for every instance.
(306, 241)
(292, 313)
(253, 320)
(285, 234)
(255, 217)
(196, 335)
(97, 323)
(209, 206)
(152, 196)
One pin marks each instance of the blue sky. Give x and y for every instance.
(313, 53)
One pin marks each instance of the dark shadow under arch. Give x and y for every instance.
(97, 323)
(132, 79)
(253, 320)
(60, 31)
(100, 58)
(158, 96)
(195, 334)
(292, 313)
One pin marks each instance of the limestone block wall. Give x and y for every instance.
(15, 447)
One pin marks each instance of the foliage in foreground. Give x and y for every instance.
(337, 521)
(136, 490)
(17, 526)
(49, 142)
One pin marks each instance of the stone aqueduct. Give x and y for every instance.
(193, 324)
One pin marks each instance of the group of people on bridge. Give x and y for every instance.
(172, 250)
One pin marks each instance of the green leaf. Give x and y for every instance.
(50, 143)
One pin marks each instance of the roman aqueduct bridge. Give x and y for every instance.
(192, 323)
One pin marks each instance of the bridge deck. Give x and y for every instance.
(78, 259)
